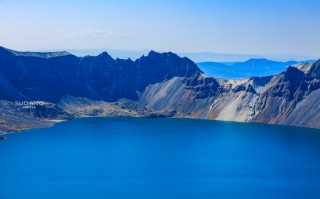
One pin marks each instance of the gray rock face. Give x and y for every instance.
(290, 98)
(14, 117)
(156, 85)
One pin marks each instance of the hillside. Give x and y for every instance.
(157, 85)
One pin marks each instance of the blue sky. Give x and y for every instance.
(266, 27)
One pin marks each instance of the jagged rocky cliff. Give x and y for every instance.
(152, 86)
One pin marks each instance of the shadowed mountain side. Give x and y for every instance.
(157, 85)
(97, 77)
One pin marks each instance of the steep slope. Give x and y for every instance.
(296, 97)
(46, 77)
(156, 85)
(289, 98)
(53, 78)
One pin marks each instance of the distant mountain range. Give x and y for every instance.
(194, 56)
(249, 68)
(38, 89)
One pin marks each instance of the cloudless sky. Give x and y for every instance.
(269, 27)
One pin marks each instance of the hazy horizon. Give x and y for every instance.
(194, 56)
(276, 29)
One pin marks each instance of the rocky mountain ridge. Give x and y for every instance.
(156, 85)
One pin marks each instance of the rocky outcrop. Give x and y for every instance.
(19, 117)
(293, 92)
(156, 85)
(290, 98)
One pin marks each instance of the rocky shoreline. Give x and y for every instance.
(2, 138)
(156, 85)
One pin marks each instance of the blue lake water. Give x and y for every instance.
(115, 158)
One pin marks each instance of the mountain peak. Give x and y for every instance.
(170, 64)
(293, 75)
(105, 55)
(3, 48)
(314, 71)
(153, 53)
(258, 60)
(6, 51)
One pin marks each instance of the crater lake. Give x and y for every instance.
(139, 158)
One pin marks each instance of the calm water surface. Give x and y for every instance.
(115, 158)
